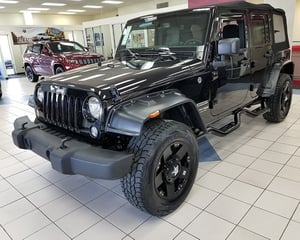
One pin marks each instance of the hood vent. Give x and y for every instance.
(162, 5)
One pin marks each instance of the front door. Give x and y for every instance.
(230, 88)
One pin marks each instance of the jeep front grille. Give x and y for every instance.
(63, 111)
(89, 61)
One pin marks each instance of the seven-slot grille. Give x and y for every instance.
(63, 110)
(89, 60)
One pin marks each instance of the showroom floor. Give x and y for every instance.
(253, 193)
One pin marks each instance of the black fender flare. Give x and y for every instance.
(128, 118)
(282, 67)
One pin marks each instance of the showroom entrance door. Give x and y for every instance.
(7, 66)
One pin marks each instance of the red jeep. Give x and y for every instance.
(47, 58)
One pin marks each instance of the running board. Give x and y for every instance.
(257, 111)
(229, 127)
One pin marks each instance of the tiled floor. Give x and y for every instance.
(253, 193)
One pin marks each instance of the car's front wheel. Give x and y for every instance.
(31, 76)
(164, 167)
(59, 70)
(280, 102)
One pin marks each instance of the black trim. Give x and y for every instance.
(69, 155)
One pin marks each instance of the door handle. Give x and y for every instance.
(268, 54)
(245, 62)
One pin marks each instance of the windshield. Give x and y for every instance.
(175, 31)
(62, 47)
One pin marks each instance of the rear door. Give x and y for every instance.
(261, 48)
(35, 57)
(46, 61)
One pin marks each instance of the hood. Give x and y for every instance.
(125, 77)
(80, 55)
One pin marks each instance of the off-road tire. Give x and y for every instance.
(31, 76)
(59, 70)
(164, 167)
(280, 102)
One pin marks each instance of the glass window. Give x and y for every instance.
(61, 47)
(279, 32)
(233, 26)
(260, 34)
(36, 48)
(166, 31)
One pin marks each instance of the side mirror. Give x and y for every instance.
(45, 51)
(229, 46)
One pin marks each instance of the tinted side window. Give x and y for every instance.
(260, 34)
(233, 26)
(36, 48)
(28, 49)
(279, 32)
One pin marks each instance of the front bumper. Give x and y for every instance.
(68, 155)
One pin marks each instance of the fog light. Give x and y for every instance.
(94, 132)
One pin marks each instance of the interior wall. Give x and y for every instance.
(296, 36)
(105, 14)
(147, 5)
(14, 19)
(45, 19)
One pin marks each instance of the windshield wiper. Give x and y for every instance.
(127, 54)
(162, 53)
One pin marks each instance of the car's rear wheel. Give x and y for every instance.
(280, 102)
(31, 76)
(164, 167)
(59, 69)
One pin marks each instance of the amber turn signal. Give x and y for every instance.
(154, 114)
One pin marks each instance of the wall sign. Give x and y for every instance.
(25, 35)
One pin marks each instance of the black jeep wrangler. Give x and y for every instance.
(174, 78)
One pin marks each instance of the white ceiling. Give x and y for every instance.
(70, 4)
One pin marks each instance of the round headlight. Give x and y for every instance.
(94, 107)
(40, 94)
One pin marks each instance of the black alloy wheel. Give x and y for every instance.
(172, 171)
(280, 102)
(59, 69)
(164, 167)
(31, 76)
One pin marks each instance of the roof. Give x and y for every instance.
(233, 6)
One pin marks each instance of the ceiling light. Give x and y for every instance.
(2, 7)
(9, 2)
(25, 11)
(69, 13)
(92, 6)
(112, 2)
(76, 10)
(38, 9)
(54, 4)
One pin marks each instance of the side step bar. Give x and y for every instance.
(257, 111)
(228, 127)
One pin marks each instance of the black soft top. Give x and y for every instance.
(229, 6)
(245, 5)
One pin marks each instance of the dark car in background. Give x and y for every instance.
(0, 90)
(46, 58)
